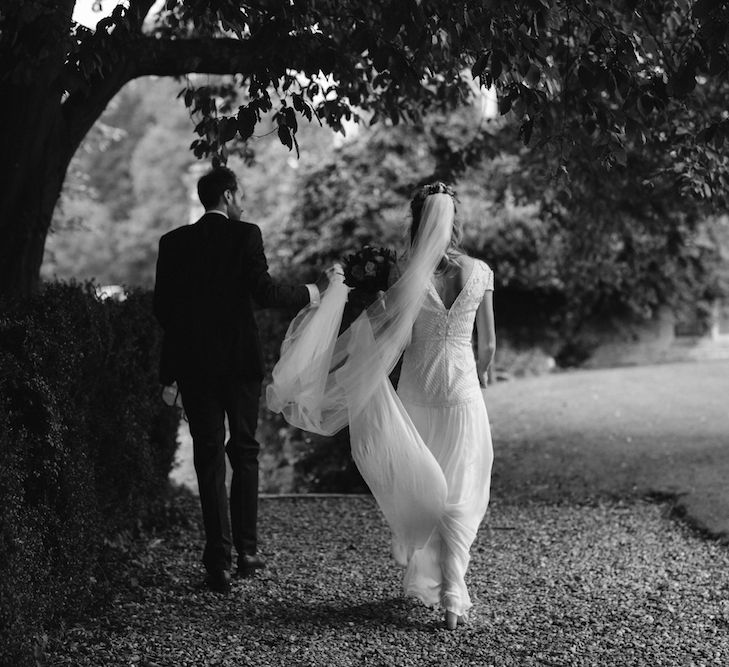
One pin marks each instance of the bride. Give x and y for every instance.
(425, 451)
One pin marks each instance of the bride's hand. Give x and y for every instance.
(484, 373)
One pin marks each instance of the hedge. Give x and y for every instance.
(86, 446)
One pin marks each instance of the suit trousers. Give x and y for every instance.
(207, 400)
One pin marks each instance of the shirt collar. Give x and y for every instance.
(218, 212)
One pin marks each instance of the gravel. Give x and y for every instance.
(612, 583)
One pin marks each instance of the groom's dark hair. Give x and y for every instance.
(211, 186)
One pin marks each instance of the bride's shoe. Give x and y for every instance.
(452, 619)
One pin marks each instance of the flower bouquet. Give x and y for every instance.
(367, 274)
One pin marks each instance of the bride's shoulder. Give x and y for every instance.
(485, 267)
(481, 271)
(469, 264)
(487, 275)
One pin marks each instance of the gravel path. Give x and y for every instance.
(607, 584)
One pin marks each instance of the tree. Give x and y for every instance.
(618, 63)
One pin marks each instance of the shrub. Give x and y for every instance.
(86, 446)
(312, 463)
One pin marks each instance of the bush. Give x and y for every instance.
(294, 461)
(86, 446)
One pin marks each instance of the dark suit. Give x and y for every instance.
(208, 276)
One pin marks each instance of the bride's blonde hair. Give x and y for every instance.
(454, 248)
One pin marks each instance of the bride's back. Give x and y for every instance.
(439, 367)
(450, 283)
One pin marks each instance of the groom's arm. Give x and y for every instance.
(265, 291)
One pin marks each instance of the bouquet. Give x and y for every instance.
(366, 273)
(369, 269)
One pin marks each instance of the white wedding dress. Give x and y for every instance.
(425, 452)
(440, 391)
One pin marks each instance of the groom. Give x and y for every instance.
(209, 274)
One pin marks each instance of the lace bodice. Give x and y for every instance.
(439, 367)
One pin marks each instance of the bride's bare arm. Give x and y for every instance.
(486, 331)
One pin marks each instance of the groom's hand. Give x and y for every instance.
(322, 282)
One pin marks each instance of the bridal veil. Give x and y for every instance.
(325, 381)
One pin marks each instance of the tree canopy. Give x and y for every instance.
(578, 77)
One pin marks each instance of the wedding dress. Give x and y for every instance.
(440, 391)
(425, 453)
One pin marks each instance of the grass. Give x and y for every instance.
(618, 433)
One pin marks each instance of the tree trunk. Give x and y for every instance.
(44, 137)
(31, 174)
(35, 154)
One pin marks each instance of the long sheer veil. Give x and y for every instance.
(324, 381)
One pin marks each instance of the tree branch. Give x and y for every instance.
(176, 57)
(149, 56)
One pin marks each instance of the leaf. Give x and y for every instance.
(533, 75)
(518, 107)
(291, 122)
(227, 127)
(284, 135)
(496, 69)
(505, 104)
(707, 134)
(480, 64)
(498, 59)
(298, 103)
(246, 122)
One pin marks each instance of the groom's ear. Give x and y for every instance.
(227, 197)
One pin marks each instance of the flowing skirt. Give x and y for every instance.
(459, 437)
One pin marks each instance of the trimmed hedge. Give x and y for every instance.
(86, 446)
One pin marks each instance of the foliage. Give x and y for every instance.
(86, 448)
(617, 249)
(621, 71)
(572, 75)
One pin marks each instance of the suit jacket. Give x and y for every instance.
(208, 276)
